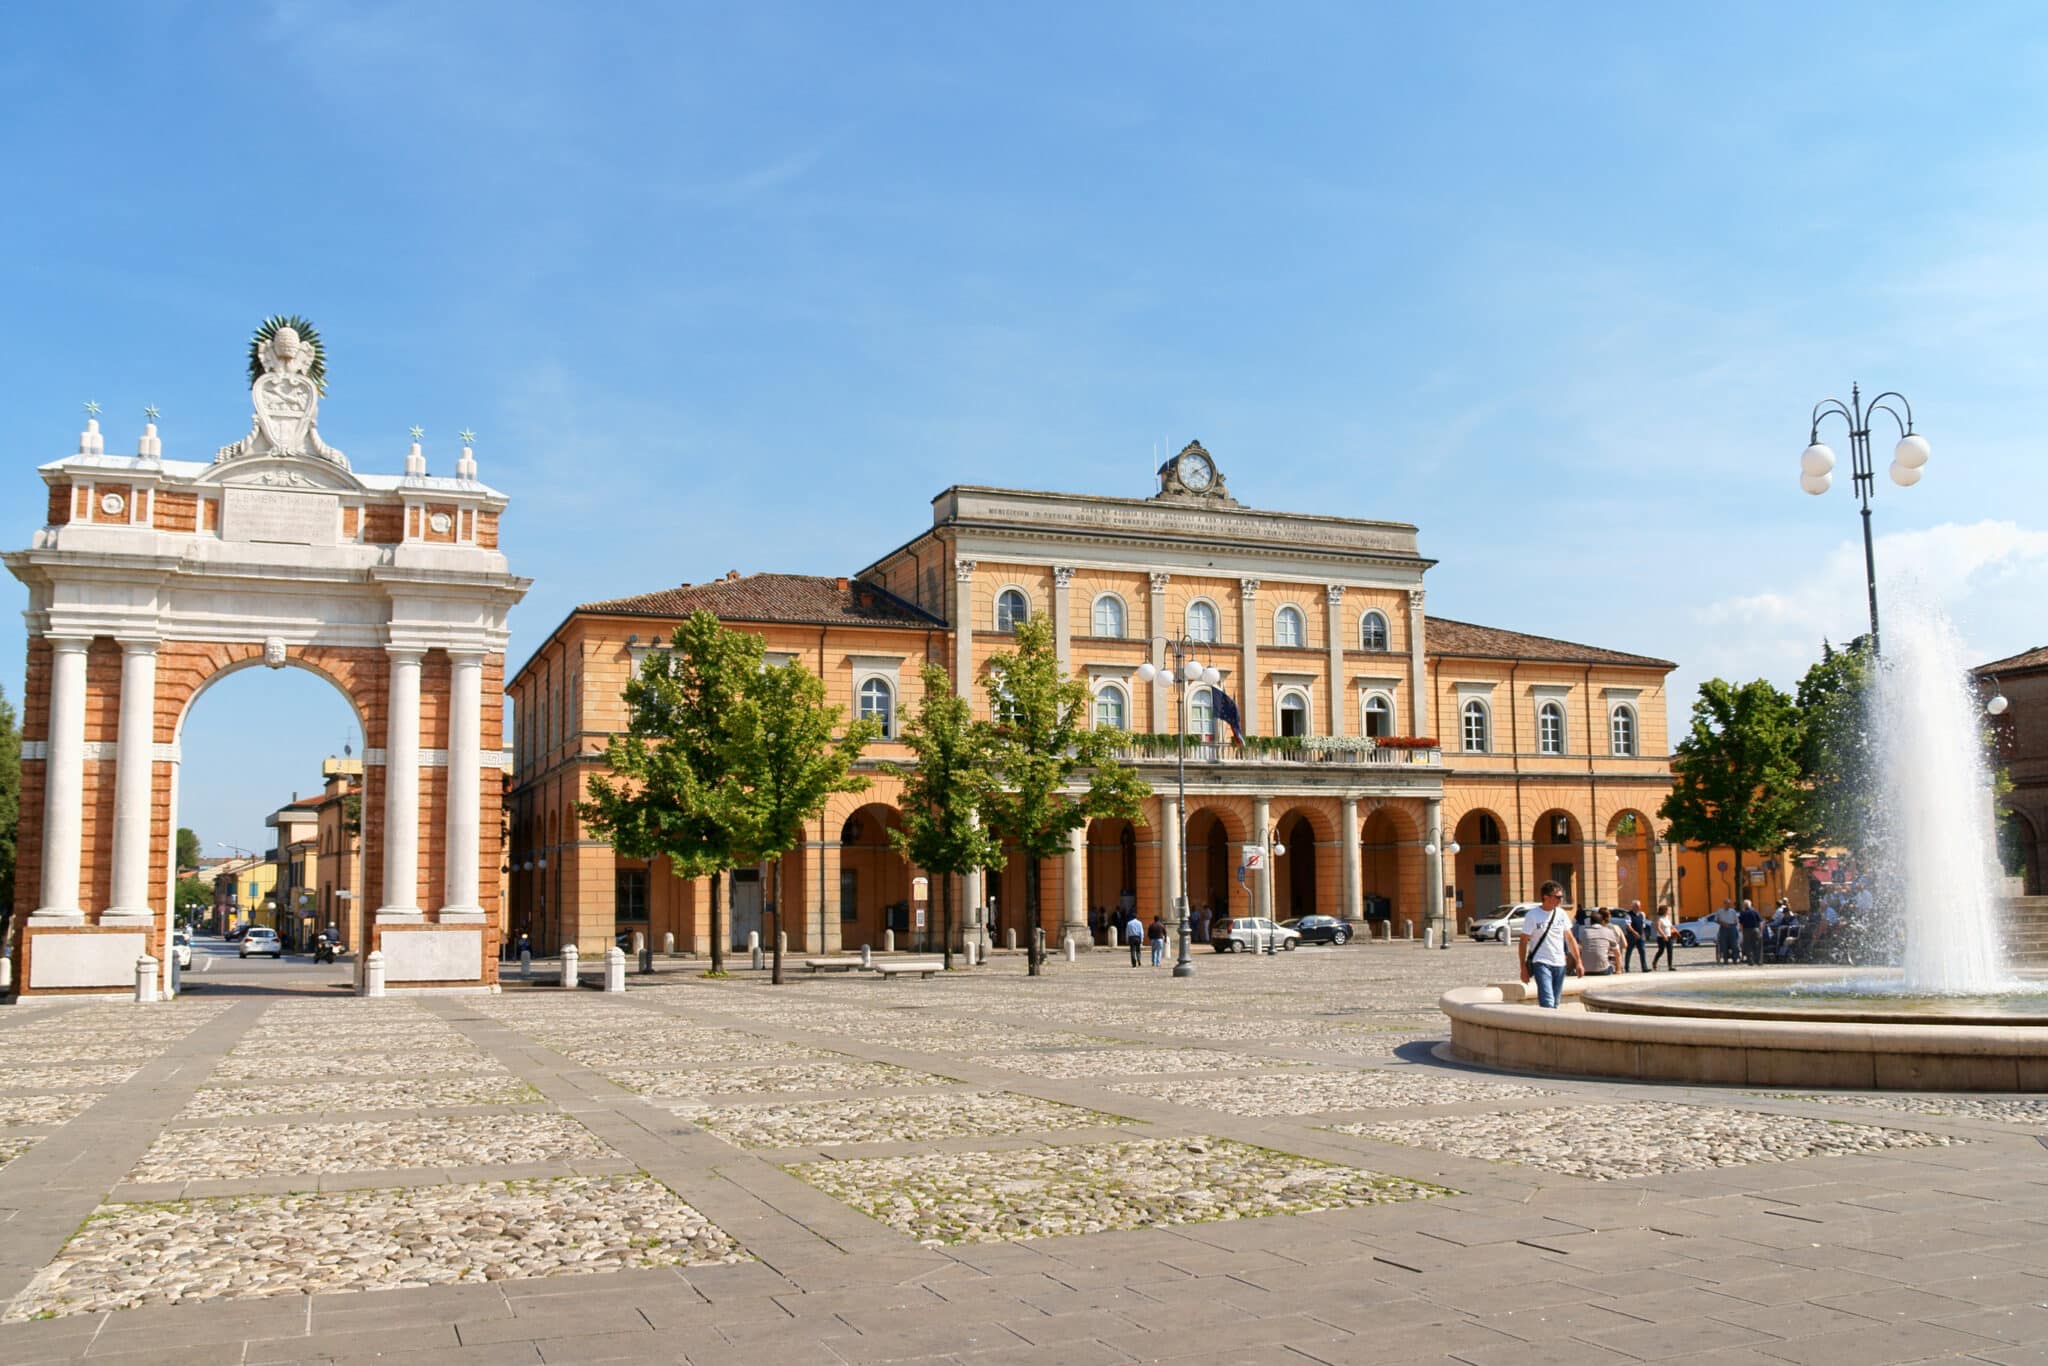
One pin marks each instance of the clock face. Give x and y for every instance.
(1196, 472)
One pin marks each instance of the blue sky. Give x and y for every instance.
(1559, 284)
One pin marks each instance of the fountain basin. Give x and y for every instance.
(1655, 1037)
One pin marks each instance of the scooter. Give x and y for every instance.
(324, 950)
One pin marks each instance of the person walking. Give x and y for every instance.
(1667, 941)
(1635, 928)
(1134, 935)
(1752, 926)
(1157, 935)
(1545, 946)
(1725, 950)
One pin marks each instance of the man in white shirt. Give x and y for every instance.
(1547, 946)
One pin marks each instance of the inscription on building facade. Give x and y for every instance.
(280, 516)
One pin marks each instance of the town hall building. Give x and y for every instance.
(1442, 768)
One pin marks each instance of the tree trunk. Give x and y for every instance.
(775, 914)
(946, 918)
(717, 926)
(1031, 912)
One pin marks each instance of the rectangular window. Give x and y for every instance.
(849, 894)
(629, 895)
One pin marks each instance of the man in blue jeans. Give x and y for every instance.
(1547, 946)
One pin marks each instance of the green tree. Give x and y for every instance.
(10, 810)
(1735, 776)
(668, 797)
(783, 762)
(189, 852)
(192, 891)
(1041, 748)
(943, 793)
(1834, 753)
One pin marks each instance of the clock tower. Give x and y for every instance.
(1193, 475)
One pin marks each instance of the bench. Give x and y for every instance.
(832, 964)
(886, 970)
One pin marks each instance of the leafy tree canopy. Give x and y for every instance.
(189, 852)
(1736, 777)
(943, 792)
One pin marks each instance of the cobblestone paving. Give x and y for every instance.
(1309, 1092)
(40, 1078)
(1062, 1191)
(683, 1050)
(27, 1112)
(130, 1255)
(892, 1119)
(2028, 1110)
(278, 1065)
(368, 1146)
(441, 1092)
(11, 1148)
(1120, 1062)
(775, 1079)
(1615, 1142)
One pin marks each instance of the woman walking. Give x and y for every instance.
(1667, 941)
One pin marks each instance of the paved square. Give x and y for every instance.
(1260, 1164)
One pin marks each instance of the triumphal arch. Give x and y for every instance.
(153, 578)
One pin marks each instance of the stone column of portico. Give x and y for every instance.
(1156, 628)
(1062, 616)
(1433, 904)
(1262, 835)
(465, 786)
(1169, 862)
(134, 767)
(1074, 920)
(972, 915)
(1248, 686)
(1354, 876)
(963, 628)
(64, 784)
(1419, 701)
(402, 789)
(1333, 598)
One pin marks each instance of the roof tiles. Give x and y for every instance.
(801, 599)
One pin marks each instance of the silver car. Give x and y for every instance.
(262, 939)
(1253, 933)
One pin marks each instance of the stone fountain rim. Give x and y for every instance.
(1639, 998)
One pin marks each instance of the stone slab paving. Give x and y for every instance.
(1230, 1223)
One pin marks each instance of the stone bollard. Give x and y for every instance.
(754, 951)
(526, 965)
(1070, 948)
(569, 965)
(782, 943)
(615, 969)
(888, 941)
(668, 944)
(6, 975)
(867, 957)
(1429, 938)
(373, 973)
(1009, 939)
(643, 952)
(145, 980)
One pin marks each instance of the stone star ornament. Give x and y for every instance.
(92, 409)
(150, 412)
(417, 433)
(467, 436)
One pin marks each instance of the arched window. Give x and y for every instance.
(1287, 627)
(1202, 714)
(1109, 616)
(1112, 708)
(1012, 608)
(1372, 632)
(1293, 714)
(1201, 621)
(1550, 729)
(877, 701)
(1489, 829)
(1476, 727)
(1379, 716)
(1622, 728)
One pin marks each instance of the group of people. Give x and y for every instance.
(1124, 926)
(1600, 944)
(1138, 934)
(1747, 936)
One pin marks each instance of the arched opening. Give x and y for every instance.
(1559, 853)
(1112, 877)
(1293, 714)
(270, 778)
(2019, 850)
(1390, 872)
(1481, 874)
(1209, 868)
(874, 880)
(1635, 865)
(1296, 882)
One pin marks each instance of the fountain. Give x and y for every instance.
(1951, 1016)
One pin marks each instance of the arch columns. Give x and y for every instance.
(1353, 909)
(402, 788)
(1262, 880)
(1074, 911)
(134, 767)
(1170, 855)
(465, 784)
(64, 784)
(1434, 910)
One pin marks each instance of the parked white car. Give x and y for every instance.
(262, 939)
(1251, 933)
(181, 948)
(1504, 924)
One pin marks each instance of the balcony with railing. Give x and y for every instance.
(1341, 751)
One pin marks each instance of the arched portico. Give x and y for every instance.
(1630, 836)
(1482, 871)
(1306, 877)
(1558, 853)
(152, 578)
(874, 879)
(1391, 870)
(1214, 833)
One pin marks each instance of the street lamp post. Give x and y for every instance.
(1185, 672)
(1444, 918)
(1817, 464)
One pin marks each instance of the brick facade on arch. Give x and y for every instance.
(1537, 756)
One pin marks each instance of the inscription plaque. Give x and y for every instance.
(280, 516)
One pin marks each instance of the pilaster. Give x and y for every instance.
(1420, 704)
(465, 787)
(64, 784)
(1353, 908)
(1074, 919)
(963, 629)
(1063, 617)
(1156, 628)
(1333, 636)
(134, 771)
(1249, 685)
(402, 789)
(1262, 835)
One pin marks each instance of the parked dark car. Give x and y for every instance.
(1319, 929)
(235, 932)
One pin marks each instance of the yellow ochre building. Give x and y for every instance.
(1535, 757)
